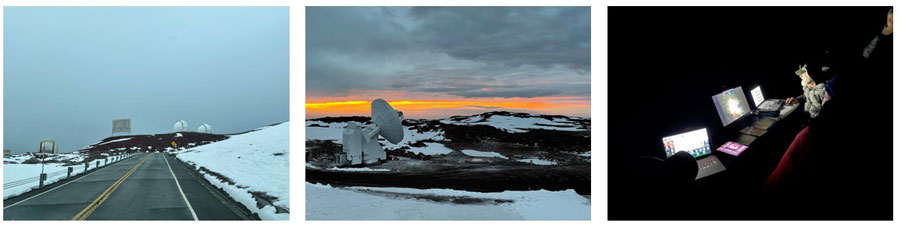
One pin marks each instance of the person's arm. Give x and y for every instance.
(815, 96)
(786, 170)
(867, 52)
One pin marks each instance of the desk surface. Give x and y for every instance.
(749, 169)
(787, 110)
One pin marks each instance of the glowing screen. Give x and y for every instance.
(694, 142)
(731, 105)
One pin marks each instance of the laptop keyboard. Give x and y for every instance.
(709, 166)
(707, 162)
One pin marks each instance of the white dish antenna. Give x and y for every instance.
(181, 126)
(205, 128)
(387, 120)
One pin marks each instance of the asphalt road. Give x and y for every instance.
(143, 187)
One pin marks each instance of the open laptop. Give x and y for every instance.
(695, 143)
(767, 109)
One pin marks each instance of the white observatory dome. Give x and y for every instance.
(205, 128)
(181, 126)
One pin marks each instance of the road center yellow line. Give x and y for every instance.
(97, 202)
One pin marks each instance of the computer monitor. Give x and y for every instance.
(731, 105)
(756, 93)
(694, 142)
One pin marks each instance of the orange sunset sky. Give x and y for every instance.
(442, 108)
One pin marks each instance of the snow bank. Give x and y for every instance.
(62, 157)
(516, 124)
(431, 149)
(357, 169)
(16, 158)
(483, 154)
(55, 172)
(324, 202)
(255, 162)
(537, 161)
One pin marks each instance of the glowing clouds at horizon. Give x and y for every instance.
(413, 109)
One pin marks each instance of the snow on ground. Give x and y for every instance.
(62, 157)
(16, 158)
(113, 141)
(357, 169)
(475, 153)
(411, 136)
(324, 202)
(335, 131)
(256, 162)
(537, 161)
(54, 171)
(431, 149)
(515, 124)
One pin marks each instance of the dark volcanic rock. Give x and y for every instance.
(153, 142)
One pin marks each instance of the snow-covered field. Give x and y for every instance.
(55, 172)
(358, 169)
(16, 158)
(516, 124)
(431, 149)
(324, 202)
(475, 153)
(537, 161)
(334, 132)
(319, 130)
(63, 157)
(255, 162)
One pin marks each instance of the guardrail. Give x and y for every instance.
(41, 178)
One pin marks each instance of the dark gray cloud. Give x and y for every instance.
(463, 51)
(513, 35)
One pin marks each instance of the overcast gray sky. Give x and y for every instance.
(70, 71)
(457, 53)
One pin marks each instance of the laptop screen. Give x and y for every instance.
(694, 142)
(731, 105)
(757, 96)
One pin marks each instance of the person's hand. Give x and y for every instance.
(887, 30)
(791, 100)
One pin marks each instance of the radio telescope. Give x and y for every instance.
(205, 128)
(360, 143)
(181, 126)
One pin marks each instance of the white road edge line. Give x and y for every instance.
(179, 189)
(39, 194)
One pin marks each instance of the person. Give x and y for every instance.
(883, 41)
(877, 66)
(682, 168)
(795, 160)
(812, 80)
